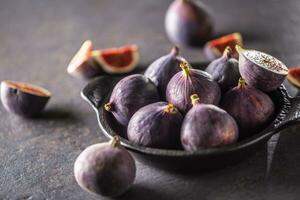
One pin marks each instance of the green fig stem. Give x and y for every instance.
(185, 68)
(108, 107)
(227, 52)
(175, 51)
(115, 141)
(170, 109)
(242, 83)
(195, 99)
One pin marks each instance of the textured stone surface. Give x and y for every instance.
(37, 40)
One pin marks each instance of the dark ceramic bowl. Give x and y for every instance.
(98, 91)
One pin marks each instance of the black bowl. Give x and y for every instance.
(287, 113)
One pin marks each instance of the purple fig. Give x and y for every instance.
(250, 107)
(225, 70)
(156, 125)
(23, 99)
(188, 82)
(163, 69)
(207, 126)
(106, 169)
(188, 23)
(261, 70)
(130, 94)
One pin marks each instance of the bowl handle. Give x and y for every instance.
(293, 116)
(96, 91)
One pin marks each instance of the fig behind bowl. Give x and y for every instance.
(191, 81)
(207, 126)
(250, 107)
(130, 94)
(156, 125)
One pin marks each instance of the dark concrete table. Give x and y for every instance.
(37, 40)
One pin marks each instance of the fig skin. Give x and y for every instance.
(188, 82)
(163, 69)
(105, 169)
(207, 126)
(130, 94)
(23, 99)
(250, 107)
(156, 125)
(225, 70)
(257, 76)
(188, 23)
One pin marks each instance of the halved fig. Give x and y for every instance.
(83, 65)
(23, 99)
(215, 48)
(294, 76)
(118, 60)
(261, 70)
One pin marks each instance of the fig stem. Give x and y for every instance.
(195, 99)
(242, 82)
(115, 141)
(108, 107)
(175, 51)
(170, 109)
(185, 68)
(227, 52)
(239, 49)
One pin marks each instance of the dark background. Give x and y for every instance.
(39, 37)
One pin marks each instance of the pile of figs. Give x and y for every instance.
(175, 106)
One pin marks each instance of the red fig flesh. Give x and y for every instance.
(23, 99)
(294, 76)
(188, 82)
(130, 94)
(106, 169)
(188, 23)
(261, 70)
(250, 107)
(207, 126)
(156, 125)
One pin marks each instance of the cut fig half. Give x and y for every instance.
(215, 48)
(23, 99)
(294, 76)
(261, 70)
(82, 64)
(118, 60)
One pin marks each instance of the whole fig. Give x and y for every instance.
(250, 107)
(105, 169)
(130, 94)
(156, 125)
(188, 82)
(188, 23)
(261, 70)
(207, 126)
(163, 69)
(225, 70)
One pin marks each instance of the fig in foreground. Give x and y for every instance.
(191, 81)
(23, 99)
(213, 49)
(261, 70)
(156, 125)
(207, 126)
(163, 69)
(225, 70)
(188, 22)
(250, 107)
(106, 169)
(130, 94)
(294, 76)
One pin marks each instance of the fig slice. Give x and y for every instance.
(23, 99)
(118, 60)
(213, 49)
(261, 70)
(82, 64)
(294, 76)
